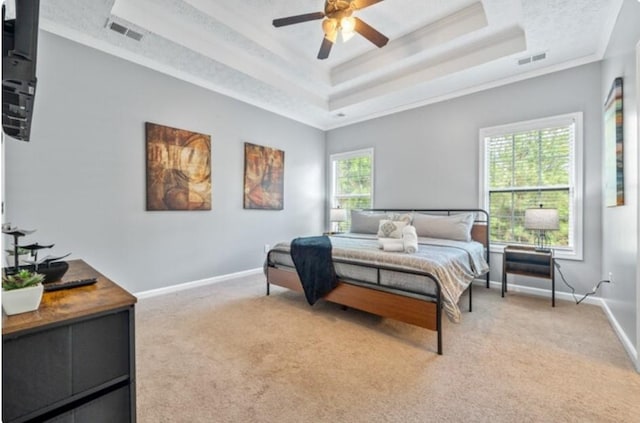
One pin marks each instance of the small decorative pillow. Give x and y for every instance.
(405, 217)
(391, 229)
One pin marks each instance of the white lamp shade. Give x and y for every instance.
(541, 219)
(338, 215)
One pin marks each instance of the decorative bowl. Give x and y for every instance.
(52, 272)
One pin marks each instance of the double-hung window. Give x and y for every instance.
(351, 182)
(528, 164)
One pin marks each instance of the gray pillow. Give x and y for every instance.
(366, 222)
(456, 227)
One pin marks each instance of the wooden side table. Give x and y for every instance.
(526, 261)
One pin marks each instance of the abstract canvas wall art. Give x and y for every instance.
(613, 146)
(178, 169)
(263, 177)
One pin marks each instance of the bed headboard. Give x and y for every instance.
(479, 231)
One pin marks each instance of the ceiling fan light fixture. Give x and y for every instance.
(329, 26)
(337, 19)
(347, 28)
(346, 36)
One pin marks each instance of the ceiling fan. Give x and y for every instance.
(338, 18)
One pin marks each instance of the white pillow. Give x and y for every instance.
(366, 222)
(456, 227)
(391, 228)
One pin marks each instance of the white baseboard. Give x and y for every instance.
(195, 284)
(538, 292)
(566, 296)
(626, 342)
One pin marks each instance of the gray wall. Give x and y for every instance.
(428, 157)
(81, 179)
(620, 224)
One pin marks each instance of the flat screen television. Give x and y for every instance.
(19, 52)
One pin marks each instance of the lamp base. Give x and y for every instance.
(541, 242)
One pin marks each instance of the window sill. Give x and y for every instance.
(558, 253)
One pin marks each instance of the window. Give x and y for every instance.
(351, 182)
(526, 164)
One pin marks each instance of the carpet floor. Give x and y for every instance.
(228, 353)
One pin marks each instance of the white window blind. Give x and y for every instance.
(529, 164)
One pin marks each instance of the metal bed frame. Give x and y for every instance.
(420, 309)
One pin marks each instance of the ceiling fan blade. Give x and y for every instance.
(325, 48)
(290, 20)
(370, 33)
(361, 4)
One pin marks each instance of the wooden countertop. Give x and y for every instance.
(72, 303)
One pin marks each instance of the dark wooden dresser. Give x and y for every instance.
(72, 360)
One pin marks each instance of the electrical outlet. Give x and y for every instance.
(267, 247)
(610, 277)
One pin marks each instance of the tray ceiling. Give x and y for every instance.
(437, 49)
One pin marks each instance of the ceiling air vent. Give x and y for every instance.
(531, 59)
(121, 29)
(524, 61)
(539, 57)
(135, 35)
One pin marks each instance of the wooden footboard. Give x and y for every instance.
(422, 313)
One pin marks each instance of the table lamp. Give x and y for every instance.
(337, 215)
(541, 220)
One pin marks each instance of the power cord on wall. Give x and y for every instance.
(573, 291)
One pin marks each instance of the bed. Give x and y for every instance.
(412, 288)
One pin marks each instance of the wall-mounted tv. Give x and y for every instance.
(19, 52)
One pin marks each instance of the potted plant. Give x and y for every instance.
(21, 292)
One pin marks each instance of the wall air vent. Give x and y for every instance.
(531, 59)
(121, 29)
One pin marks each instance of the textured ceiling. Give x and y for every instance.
(438, 49)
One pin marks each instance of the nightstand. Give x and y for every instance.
(526, 261)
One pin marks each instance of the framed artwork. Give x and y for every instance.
(263, 177)
(613, 146)
(178, 169)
